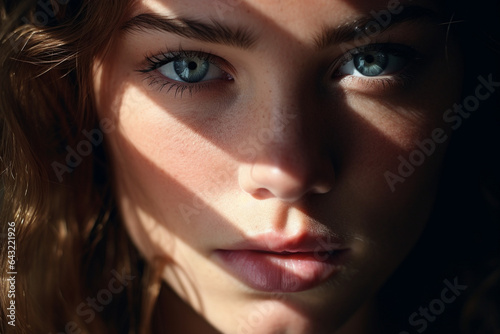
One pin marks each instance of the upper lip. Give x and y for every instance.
(300, 243)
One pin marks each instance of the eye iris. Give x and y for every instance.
(371, 63)
(191, 69)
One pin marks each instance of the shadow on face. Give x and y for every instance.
(284, 145)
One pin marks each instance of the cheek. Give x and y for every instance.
(152, 142)
(391, 157)
(400, 139)
(381, 139)
(164, 173)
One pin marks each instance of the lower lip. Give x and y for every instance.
(274, 272)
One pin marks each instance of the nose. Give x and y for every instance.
(296, 161)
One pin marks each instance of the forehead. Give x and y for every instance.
(300, 19)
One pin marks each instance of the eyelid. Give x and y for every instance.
(152, 63)
(381, 84)
(399, 50)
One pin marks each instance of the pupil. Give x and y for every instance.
(371, 63)
(191, 69)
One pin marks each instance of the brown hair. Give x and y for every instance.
(70, 245)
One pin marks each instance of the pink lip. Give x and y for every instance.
(272, 263)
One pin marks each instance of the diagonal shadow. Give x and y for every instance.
(159, 184)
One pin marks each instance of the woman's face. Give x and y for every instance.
(267, 152)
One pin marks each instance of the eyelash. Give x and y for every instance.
(385, 82)
(382, 82)
(154, 62)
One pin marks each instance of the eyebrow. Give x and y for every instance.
(361, 27)
(218, 33)
(213, 32)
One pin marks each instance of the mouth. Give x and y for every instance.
(292, 266)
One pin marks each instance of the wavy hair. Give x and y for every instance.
(70, 244)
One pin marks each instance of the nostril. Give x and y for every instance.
(265, 181)
(287, 172)
(262, 193)
(323, 187)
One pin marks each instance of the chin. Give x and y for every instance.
(282, 320)
(281, 317)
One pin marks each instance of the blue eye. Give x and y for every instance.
(377, 60)
(182, 70)
(190, 69)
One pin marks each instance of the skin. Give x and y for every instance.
(192, 174)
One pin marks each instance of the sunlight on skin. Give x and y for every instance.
(327, 163)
